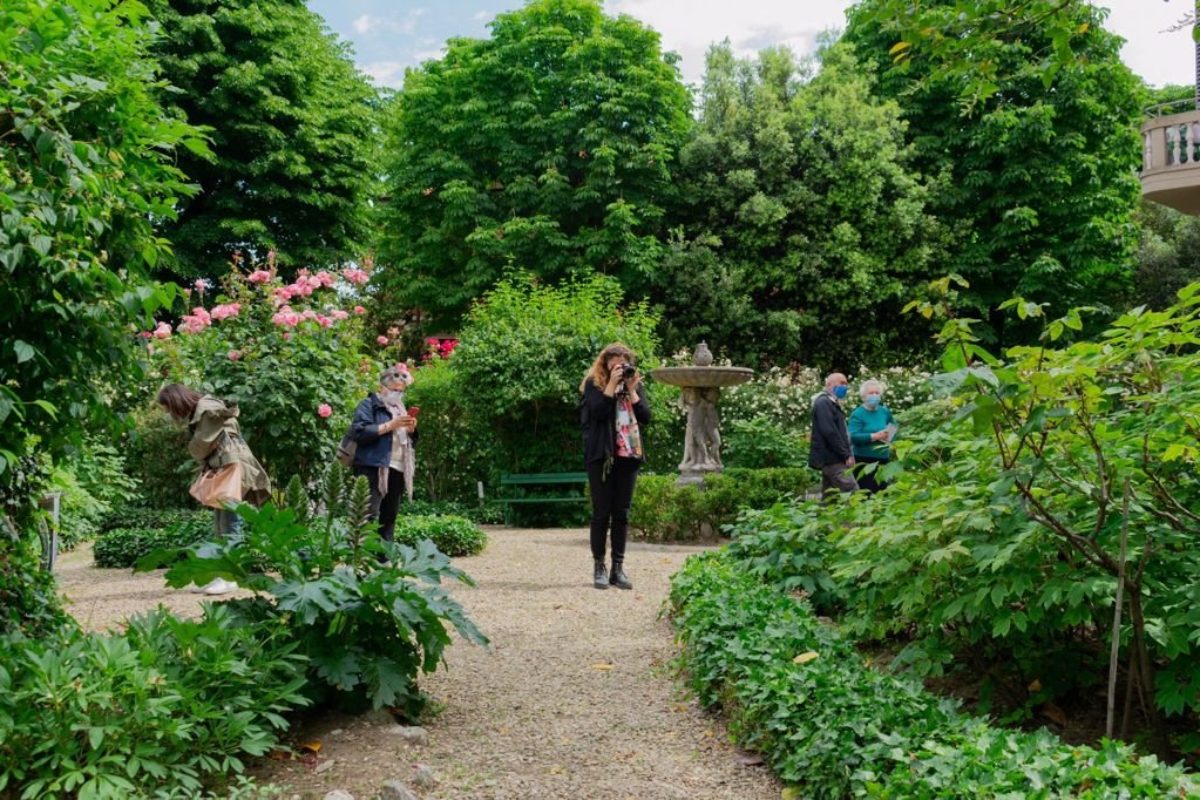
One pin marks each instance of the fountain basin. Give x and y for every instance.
(702, 377)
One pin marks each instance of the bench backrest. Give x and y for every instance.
(543, 478)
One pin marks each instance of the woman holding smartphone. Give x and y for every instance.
(385, 433)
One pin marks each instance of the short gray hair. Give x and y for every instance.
(392, 374)
(867, 384)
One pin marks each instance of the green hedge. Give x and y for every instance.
(664, 512)
(148, 530)
(831, 727)
(454, 536)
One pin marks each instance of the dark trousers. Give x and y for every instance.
(612, 495)
(384, 506)
(870, 480)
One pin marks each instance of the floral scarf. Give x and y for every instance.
(629, 435)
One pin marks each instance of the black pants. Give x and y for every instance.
(384, 506)
(870, 481)
(612, 495)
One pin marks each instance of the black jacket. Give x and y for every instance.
(597, 412)
(830, 438)
(374, 448)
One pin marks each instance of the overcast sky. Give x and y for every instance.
(389, 35)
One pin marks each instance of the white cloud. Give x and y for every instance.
(426, 55)
(386, 73)
(480, 16)
(364, 23)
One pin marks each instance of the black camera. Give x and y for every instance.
(628, 371)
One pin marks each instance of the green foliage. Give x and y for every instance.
(550, 145)
(293, 133)
(831, 727)
(663, 511)
(155, 449)
(121, 547)
(486, 513)
(280, 363)
(155, 711)
(1032, 117)
(86, 160)
(454, 536)
(92, 484)
(505, 401)
(29, 602)
(368, 614)
(805, 221)
(1000, 537)
(1168, 257)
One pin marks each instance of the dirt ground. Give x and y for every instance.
(574, 699)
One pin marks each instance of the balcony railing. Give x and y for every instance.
(1171, 157)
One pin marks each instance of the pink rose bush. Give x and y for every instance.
(277, 346)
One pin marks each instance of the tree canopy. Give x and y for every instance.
(1034, 119)
(293, 131)
(548, 146)
(805, 224)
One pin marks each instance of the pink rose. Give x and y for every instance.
(324, 321)
(163, 331)
(381, 340)
(355, 276)
(324, 411)
(234, 355)
(325, 279)
(202, 285)
(226, 310)
(259, 276)
(338, 314)
(359, 310)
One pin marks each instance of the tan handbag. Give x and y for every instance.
(219, 488)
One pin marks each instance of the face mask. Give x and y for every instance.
(393, 396)
(872, 400)
(840, 392)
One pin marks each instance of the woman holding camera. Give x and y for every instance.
(613, 410)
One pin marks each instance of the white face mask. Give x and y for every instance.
(393, 396)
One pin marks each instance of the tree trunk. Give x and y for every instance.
(1158, 736)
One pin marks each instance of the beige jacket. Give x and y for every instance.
(216, 441)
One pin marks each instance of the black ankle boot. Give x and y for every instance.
(600, 575)
(618, 578)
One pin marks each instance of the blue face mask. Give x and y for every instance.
(840, 392)
(871, 400)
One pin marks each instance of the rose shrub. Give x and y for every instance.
(289, 354)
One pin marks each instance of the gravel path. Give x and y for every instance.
(575, 698)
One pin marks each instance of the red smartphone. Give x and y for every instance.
(414, 410)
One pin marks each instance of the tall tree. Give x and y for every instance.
(292, 125)
(548, 146)
(86, 155)
(805, 225)
(1029, 110)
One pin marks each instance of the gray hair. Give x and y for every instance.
(867, 384)
(391, 375)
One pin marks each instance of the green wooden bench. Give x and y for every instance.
(551, 479)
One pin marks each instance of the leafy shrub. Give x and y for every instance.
(122, 547)
(157, 459)
(779, 546)
(663, 511)
(29, 601)
(505, 401)
(92, 483)
(826, 723)
(368, 614)
(454, 536)
(165, 706)
(486, 513)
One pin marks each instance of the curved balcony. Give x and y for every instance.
(1171, 159)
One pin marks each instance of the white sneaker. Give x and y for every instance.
(219, 586)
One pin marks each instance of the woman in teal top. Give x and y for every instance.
(872, 428)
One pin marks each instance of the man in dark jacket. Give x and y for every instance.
(830, 450)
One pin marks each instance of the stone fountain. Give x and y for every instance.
(701, 384)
